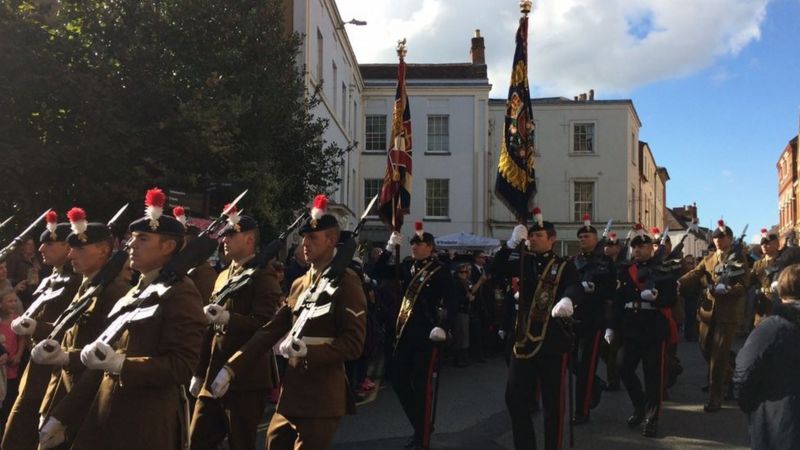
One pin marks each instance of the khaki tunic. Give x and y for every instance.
(204, 277)
(88, 328)
(249, 309)
(141, 408)
(22, 428)
(314, 386)
(726, 308)
(761, 280)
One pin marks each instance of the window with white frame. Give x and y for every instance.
(334, 84)
(437, 197)
(372, 187)
(438, 133)
(582, 199)
(320, 53)
(583, 138)
(375, 133)
(344, 104)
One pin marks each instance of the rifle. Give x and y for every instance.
(235, 284)
(6, 222)
(606, 230)
(8, 249)
(733, 265)
(317, 300)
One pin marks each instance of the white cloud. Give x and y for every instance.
(613, 46)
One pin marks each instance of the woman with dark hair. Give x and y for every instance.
(767, 370)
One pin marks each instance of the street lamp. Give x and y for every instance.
(356, 22)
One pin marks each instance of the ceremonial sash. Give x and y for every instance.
(412, 292)
(532, 329)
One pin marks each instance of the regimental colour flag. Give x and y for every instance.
(516, 177)
(396, 189)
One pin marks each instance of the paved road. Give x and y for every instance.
(472, 415)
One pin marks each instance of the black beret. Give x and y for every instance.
(769, 238)
(164, 225)
(641, 240)
(59, 235)
(426, 238)
(245, 223)
(718, 233)
(586, 229)
(95, 232)
(323, 223)
(546, 226)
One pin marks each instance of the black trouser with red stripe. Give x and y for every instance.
(650, 352)
(412, 370)
(586, 381)
(523, 375)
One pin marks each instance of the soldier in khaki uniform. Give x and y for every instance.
(54, 293)
(314, 396)
(766, 270)
(238, 413)
(91, 247)
(203, 276)
(138, 403)
(721, 311)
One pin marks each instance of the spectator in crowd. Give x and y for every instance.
(5, 283)
(461, 326)
(14, 346)
(296, 267)
(24, 270)
(767, 368)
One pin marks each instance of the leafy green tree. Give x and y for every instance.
(100, 100)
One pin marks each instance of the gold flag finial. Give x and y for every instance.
(401, 48)
(525, 6)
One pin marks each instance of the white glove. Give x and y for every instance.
(773, 287)
(438, 334)
(195, 385)
(518, 234)
(502, 334)
(563, 308)
(609, 337)
(56, 357)
(110, 361)
(649, 295)
(52, 433)
(721, 288)
(222, 382)
(588, 287)
(23, 326)
(394, 239)
(288, 348)
(216, 314)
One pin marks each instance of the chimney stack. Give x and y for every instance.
(477, 51)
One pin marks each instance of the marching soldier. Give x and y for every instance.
(598, 280)
(549, 292)
(422, 323)
(608, 350)
(724, 276)
(766, 271)
(55, 291)
(643, 329)
(203, 276)
(91, 247)
(237, 413)
(139, 403)
(314, 395)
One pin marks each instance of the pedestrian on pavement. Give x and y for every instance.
(767, 368)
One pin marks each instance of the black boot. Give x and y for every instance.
(650, 428)
(636, 419)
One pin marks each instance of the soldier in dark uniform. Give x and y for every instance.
(238, 413)
(766, 271)
(314, 395)
(91, 247)
(608, 350)
(599, 283)
(53, 295)
(643, 329)
(549, 292)
(426, 313)
(138, 404)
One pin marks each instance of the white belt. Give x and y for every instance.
(640, 305)
(312, 340)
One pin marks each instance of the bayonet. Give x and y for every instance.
(116, 216)
(5, 222)
(8, 249)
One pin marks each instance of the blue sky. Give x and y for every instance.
(716, 83)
